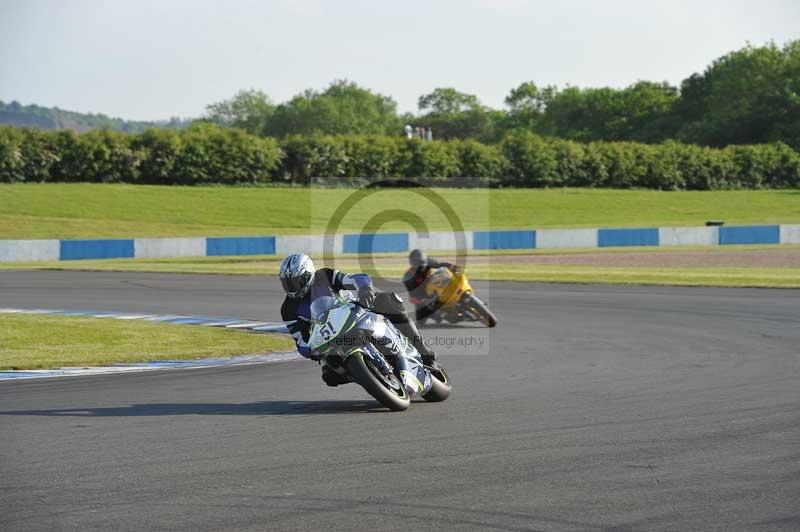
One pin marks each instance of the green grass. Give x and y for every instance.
(674, 276)
(33, 211)
(501, 269)
(36, 341)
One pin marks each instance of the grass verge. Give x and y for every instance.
(493, 266)
(59, 210)
(675, 275)
(32, 341)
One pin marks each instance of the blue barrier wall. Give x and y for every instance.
(504, 240)
(96, 249)
(750, 234)
(253, 245)
(39, 250)
(627, 237)
(375, 243)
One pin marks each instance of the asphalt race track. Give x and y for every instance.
(591, 408)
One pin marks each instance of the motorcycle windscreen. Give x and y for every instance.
(320, 308)
(330, 316)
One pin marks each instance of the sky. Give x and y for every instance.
(154, 59)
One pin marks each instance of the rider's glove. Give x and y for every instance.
(366, 296)
(306, 351)
(456, 268)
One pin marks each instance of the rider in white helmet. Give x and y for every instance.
(303, 283)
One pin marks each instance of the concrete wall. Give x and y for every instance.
(51, 250)
(647, 236)
(439, 241)
(309, 244)
(375, 243)
(504, 240)
(688, 236)
(29, 250)
(158, 248)
(566, 238)
(97, 249)
(750, 234)
(244, 245)
(790, 234)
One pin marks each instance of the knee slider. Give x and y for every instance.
(397, 303)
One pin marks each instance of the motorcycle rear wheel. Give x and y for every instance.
(378, 385)
(440, 386)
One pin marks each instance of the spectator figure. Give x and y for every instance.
(409, 131)
(428, 133)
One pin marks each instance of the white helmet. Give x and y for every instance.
(297, 274)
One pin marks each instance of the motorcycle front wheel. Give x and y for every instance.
(479, 310)
(386, 389)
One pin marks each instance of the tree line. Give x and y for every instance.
(748, 96)
(16, 114)
(211, 154)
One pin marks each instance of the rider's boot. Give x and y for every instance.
(330, 376)
(410, 331)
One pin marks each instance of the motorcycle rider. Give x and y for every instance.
(303, 283)
(415, 279)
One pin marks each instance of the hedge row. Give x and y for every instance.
(198, 155)
(209, 154)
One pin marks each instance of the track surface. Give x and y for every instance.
(598, 408)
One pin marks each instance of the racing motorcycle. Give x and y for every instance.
(454, 299)
(367, 349)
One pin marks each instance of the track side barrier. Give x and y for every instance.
(54, 250)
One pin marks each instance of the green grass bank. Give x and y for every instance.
(56, 211)
(41, 342)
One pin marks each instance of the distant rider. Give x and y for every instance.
(303, 284)
(415, 279)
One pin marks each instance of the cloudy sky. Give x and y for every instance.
(152, 59)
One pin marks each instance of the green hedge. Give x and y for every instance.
(205, 153)
(201, 154)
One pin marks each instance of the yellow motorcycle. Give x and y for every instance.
(454, 298)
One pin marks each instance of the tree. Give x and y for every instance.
(642, 112)
(526, 105)
(646, 112)
(527, 97)
(448, 101)
(454, 114)
(249, 110)
(343, 108)
(750, 95)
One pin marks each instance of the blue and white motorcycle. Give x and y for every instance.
(366, 348)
